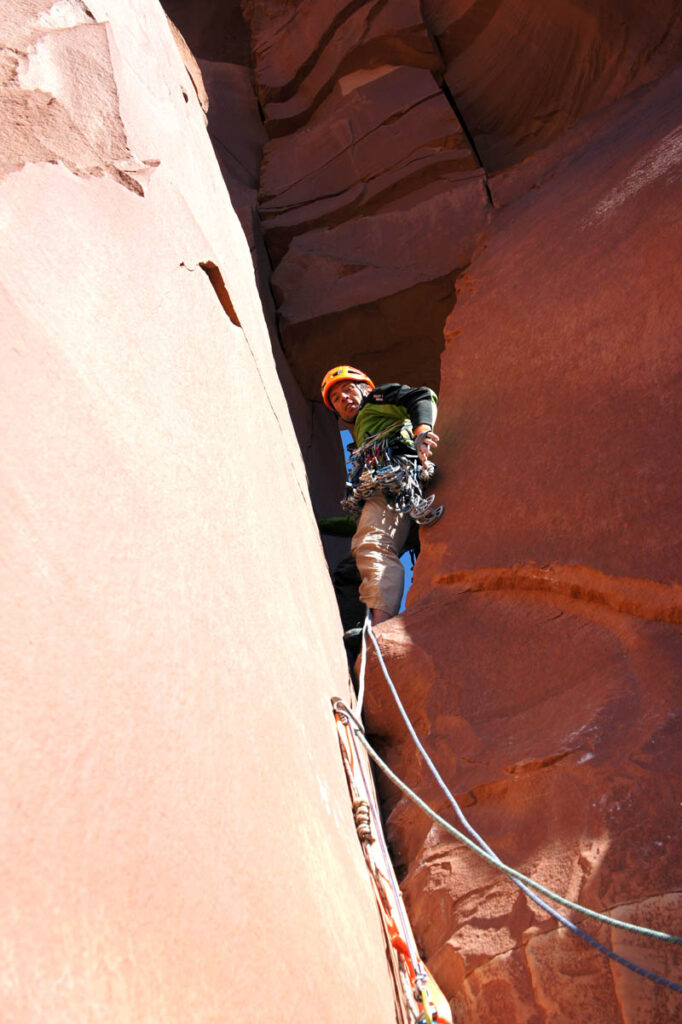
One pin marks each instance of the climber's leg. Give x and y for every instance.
(378, 541)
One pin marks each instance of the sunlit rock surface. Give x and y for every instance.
(541, 651)
(218, 36)
(177, 840)
(171, 641)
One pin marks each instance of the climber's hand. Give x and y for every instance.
(424, 443)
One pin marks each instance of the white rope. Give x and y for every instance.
(363, 662)
(521, 880)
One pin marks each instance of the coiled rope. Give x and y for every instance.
(479, 845)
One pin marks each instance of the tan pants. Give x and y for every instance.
(376, 546)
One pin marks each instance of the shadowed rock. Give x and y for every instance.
(541, 651)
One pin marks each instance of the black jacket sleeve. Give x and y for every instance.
(421, 402)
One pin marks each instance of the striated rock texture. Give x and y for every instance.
(541, 652)
(392, 127)
(164, 657)
(365, 174)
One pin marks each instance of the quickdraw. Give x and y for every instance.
(379, 465)
(422, 1001)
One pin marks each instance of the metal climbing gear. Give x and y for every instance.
(385, 465)
(421, 1000)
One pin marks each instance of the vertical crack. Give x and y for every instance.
(445, 88)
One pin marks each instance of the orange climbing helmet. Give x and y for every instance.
(338, 374)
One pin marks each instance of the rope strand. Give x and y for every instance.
(479, 846)
(576, 929)
(519, 876)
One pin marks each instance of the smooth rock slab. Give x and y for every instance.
(177, 835)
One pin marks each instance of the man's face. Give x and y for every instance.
(346, 399)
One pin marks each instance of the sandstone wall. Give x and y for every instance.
(366, 171)
(522, 72)
(218, 36)
(392, 128)
(171, 641)
(177, 843)
(541, 651)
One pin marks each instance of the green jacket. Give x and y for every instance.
(393, 404)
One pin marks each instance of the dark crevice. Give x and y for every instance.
(445, 88)
(213, 31)
(216, 278)
(220, 143)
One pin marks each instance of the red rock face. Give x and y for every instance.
(541, 651)
(160, 549)
(541, 648)
(218, 35)
(301, 51)
(521, 73)
(170, 641)
(568, 442)
(384, 119)
(366, 171)
(554, 726)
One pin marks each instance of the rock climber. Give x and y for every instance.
(392, 427)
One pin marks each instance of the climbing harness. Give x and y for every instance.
(478, 844)
(419, 995)
(383, 466)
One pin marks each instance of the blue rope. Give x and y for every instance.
(519, 876)
(491, 860)
(485, 851)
